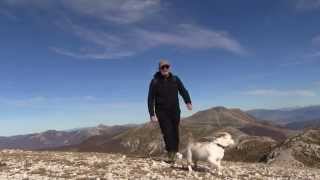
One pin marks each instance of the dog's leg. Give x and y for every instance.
(196, 164)
(179, 159)
(219, 166)
(189, 159)
(214, 164)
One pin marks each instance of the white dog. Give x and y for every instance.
(211, 152)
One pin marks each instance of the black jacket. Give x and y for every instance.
(163, 93)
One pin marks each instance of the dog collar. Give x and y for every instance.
(220, 145)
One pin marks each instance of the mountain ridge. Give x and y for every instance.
(147, 140)
(284, 116)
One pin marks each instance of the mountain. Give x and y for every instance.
(304, 124)
(298, 151)
(147, 140)
(255, 139)
(288, 115)
(53, 138)
(219, 117)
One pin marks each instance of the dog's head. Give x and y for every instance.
(224, 139)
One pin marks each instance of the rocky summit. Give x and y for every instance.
(19, 164)
(300, 150)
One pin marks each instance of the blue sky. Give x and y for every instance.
(78, 63)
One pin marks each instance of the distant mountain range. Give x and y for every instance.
(147, 139)
(296, 118)
(53, 138)
(256, 134)
(304, 124)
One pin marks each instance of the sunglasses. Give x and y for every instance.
(165, 66)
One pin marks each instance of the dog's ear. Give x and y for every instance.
(222, 135)
(219, 134)
(206, 139)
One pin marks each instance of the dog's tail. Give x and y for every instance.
(188, 152)
(190, 138)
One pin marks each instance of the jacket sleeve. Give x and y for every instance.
(183, 91)
(151, 98)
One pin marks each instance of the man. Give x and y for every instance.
(163, 105)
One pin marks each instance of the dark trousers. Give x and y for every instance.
(169, 124)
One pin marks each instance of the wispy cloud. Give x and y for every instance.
(315, 54)
(306, 58)
(307, 4)
(98, 43)
(120, 29)
(317, 83)
(44, 101)
(110, 45)
(193, 37)
(91, 55)
(80, 104)
(22, 102)
(6, 13)
(275, 92)
(118, 11)
(37, 4)
(316, 40)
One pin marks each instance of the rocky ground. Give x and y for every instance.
(18, 164)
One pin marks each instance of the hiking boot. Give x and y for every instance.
(172, 157)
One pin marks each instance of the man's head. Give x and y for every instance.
(164, 67)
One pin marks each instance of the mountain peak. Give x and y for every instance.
(102, 126)
(221, 116)
(219, 108)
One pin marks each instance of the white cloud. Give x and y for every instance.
(60, 104)
(42, 4)
(89, 55)
(316, 39)
(315, 54)
(44, 101)
(116, 33)
(8, 14)
(118, 11)
(98, 44)
(307, 4)
(317, 83)
(25, 102)
(193, 37)
(110, 45)
(274, 92)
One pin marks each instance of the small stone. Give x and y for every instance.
(109, 176)
(2, 164)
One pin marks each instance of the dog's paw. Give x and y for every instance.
(215, 172)
(179, 156)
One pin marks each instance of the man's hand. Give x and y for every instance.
(189, 106)
(153, 119)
